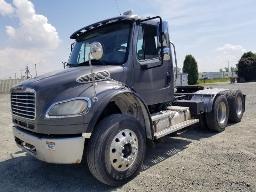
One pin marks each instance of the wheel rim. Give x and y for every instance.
(123, 150)
(239, 105)
(222, 113)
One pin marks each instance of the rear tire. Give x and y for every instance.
(116, 150)
(236, 106)
(202, 122)
(217, 119)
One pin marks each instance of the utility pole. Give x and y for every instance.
(27, 73)
(15, 76)
(35, 70)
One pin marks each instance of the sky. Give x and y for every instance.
(33, 32)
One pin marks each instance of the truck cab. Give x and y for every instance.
(132, 52)
(116, 93)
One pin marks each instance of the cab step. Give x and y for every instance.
(175, 128)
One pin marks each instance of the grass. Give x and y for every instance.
(213, 81)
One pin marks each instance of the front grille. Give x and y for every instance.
(23, 104)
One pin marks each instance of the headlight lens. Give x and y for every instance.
(72, 107)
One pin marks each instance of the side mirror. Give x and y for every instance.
(166, 54)
(163, 42)
(165, 34)
(96, 50)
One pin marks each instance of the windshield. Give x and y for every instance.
(114, 40)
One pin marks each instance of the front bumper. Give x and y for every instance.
(51, 150)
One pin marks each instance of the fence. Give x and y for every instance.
(7, 84)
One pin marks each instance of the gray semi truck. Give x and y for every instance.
(116, 93)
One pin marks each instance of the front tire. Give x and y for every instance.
(217, 119)
(116, 150)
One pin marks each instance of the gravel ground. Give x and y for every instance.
(194, 160)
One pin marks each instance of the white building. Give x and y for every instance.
(216, 75)
(182, 79)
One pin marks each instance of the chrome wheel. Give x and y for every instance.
(222, 113)
(239, 106)
(123, 150)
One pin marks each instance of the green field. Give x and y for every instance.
(213, 81)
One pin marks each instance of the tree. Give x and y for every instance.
(233, 69)
(226, 69)
(246, 68)
(248, 55)
(190, 67)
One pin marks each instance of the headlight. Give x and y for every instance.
(69, 108)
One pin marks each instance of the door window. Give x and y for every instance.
(147, 42)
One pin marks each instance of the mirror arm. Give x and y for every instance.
(72, 46)
(175, 58)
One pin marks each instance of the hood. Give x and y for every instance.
(64, 83)
(65, 78)
(61, 85)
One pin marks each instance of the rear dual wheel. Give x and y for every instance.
(229, 107)
(217, 119)
(236, 105)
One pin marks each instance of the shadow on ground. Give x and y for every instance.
(25, 173)
(169, 146)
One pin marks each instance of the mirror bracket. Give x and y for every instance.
(72, 46)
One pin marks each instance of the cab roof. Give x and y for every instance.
(83, 30)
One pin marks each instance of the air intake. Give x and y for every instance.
(99, 76)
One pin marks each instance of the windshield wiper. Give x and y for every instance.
(69, 64)
(86, 63)
(94, 62)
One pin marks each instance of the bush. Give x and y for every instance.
(247, 67)
(190, 67)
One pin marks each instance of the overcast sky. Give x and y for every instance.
(215, 32)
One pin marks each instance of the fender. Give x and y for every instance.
(207, 96)
(106, 92)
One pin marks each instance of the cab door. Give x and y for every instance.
(152, 74)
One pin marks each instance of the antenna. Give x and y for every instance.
(64, 64)
(93, 78)
(117, 6)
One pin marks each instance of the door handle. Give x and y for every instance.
(168, 78)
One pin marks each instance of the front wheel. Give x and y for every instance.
(116, 150)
